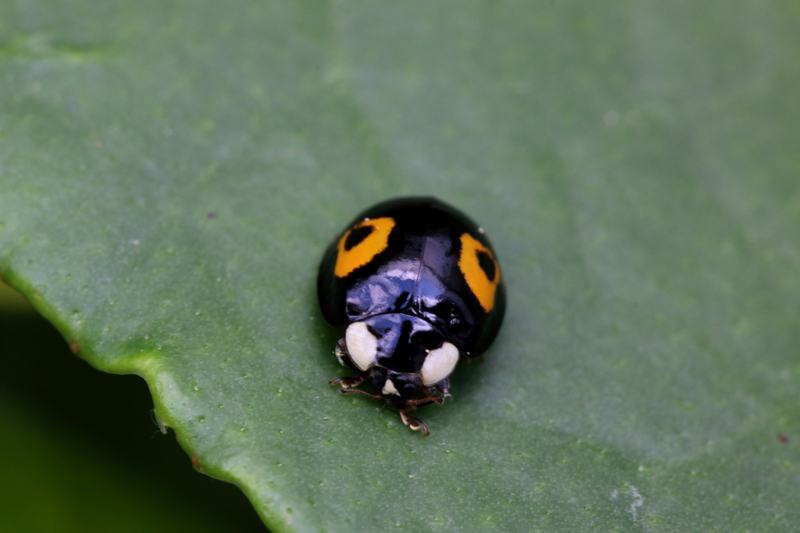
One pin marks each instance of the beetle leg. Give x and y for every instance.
(341, 351)
(414, 422)
(348, 381)
(419, 402)
(359, 391)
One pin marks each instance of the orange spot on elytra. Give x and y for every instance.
(366, 250)
(75, 347)
(478, 281)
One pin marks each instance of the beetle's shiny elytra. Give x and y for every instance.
(418, 286)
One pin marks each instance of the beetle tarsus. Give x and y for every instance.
(414, 422)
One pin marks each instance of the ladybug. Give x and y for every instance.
(418, 286)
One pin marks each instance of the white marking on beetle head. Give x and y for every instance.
(439, 364)
(389, 388)
(361, 345)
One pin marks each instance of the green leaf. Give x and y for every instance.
(170, 174)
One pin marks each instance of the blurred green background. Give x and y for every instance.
(80, 451)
